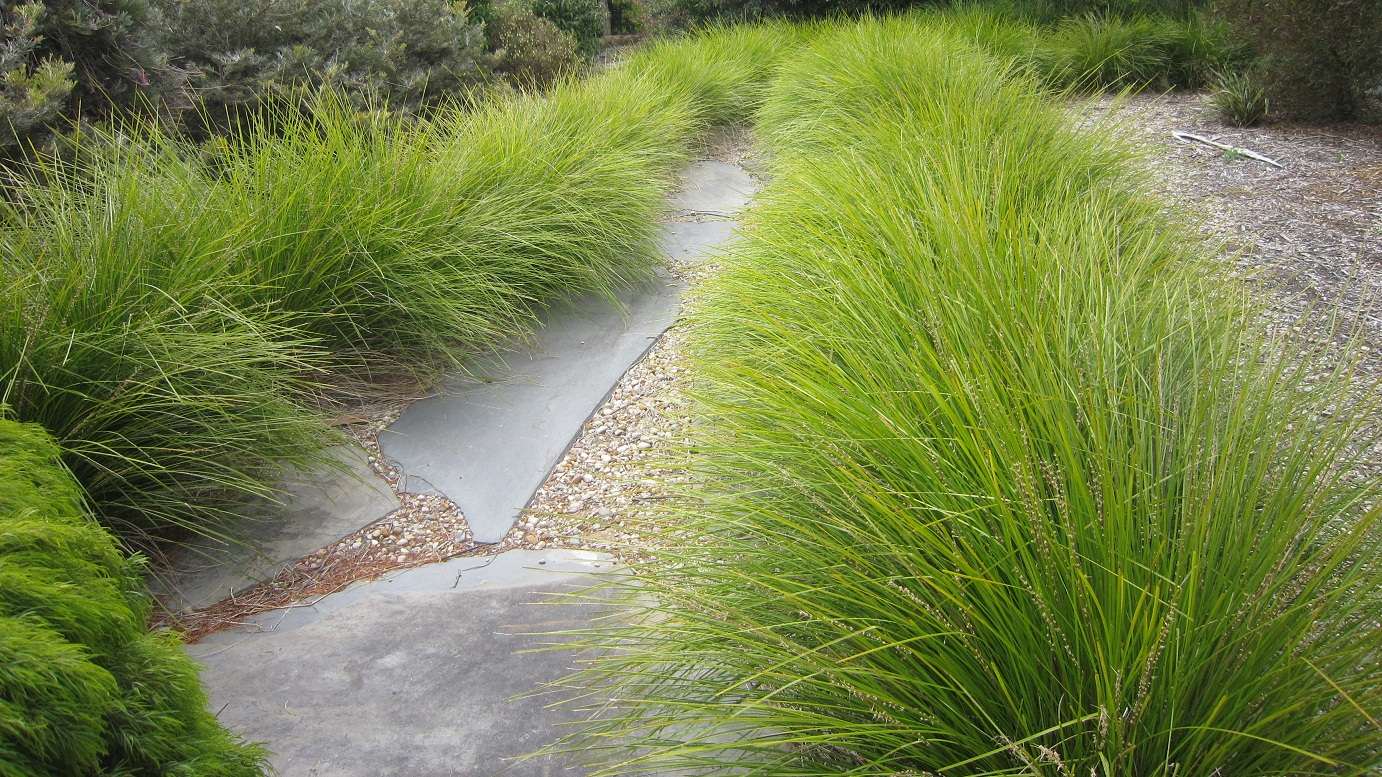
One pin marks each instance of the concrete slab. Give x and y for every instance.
(317, 509)
(692, 242)
(415, 675)
(714, 187)
(489, 445)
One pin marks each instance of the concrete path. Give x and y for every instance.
(714, 188)
(412, 676)
(417, 674)
(317, 509)
(488, 445)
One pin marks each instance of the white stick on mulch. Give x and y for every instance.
(1188, 137)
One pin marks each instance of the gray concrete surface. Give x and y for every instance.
(692, 242)
(714, 187)
(414, 675)
(489, 444)
(316, 510)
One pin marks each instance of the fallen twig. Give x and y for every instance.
(1188, 137)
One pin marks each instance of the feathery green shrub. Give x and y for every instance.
(59, 58)
(994, 471)
(33, 90)
(84, 688)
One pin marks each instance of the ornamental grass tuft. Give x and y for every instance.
(177, 316)
(995, 470)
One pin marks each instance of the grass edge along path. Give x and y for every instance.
(997, 471)
(173, 317)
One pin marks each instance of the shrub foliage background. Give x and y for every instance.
(407, 52)
(1321, 59)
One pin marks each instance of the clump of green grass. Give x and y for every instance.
(1098, 52)
(723, 68)
(175, 315)
(1240, 99)
(995, 472)
(87, 690)
(170, 403)
(1106, 52)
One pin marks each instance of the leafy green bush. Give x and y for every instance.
(530, 51)
(410, 52)
(59, 56)
(84, 689)
(627, 17)
(32, 93)
(994, 472)
(584, 20)
(1320, 59)
(1240, 99)
(1055, 10)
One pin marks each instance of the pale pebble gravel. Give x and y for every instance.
(606, 490)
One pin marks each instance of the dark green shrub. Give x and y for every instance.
(1055, 10)
(64, 57)
(584, 20)
(84, 688)
(627, 17)
(1240, 99)
(409, 52)
(1320, 59)
(33, 91)
(530, 51)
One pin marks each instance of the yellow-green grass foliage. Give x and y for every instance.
(995, 470)
(85, 689)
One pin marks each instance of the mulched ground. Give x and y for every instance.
(1311, 232)
(1309, 235)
